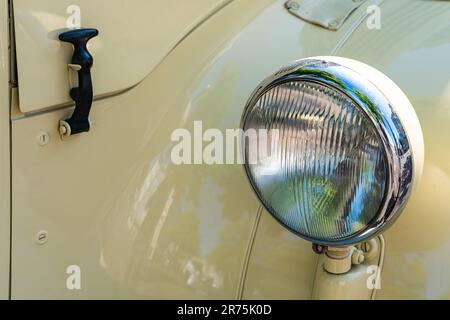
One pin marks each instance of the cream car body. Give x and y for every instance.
(111, 201)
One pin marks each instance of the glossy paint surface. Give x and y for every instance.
(114, 204)
(139, 226)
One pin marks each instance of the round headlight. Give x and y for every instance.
(344, 148)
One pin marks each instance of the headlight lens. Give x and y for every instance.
(339, 165)
(331, 167)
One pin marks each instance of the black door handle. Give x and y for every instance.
(82, 62)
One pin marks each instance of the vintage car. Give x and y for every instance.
(131, 137)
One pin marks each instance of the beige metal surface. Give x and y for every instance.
(134, 38)
(412, 48)
(282, 266)
(112, 202)
(138, 226)
(4, 153)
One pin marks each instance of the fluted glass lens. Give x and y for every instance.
(323, 171)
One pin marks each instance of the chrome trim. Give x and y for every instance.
(383, 116)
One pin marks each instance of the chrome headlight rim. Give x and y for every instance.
(383, 116)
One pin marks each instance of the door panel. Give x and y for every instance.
(134, 37)
(112, 202)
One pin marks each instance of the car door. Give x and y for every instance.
(106, 213)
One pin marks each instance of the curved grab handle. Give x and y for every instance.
(82, 62)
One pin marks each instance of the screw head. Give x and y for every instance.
(43, 138)
(357, 256)
(333, 23)
(42, 237)
(292, 5)
(62, 130)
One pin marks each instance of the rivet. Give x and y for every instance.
(41, 237)
(43, 138)
(333, 23)
(292, 5)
